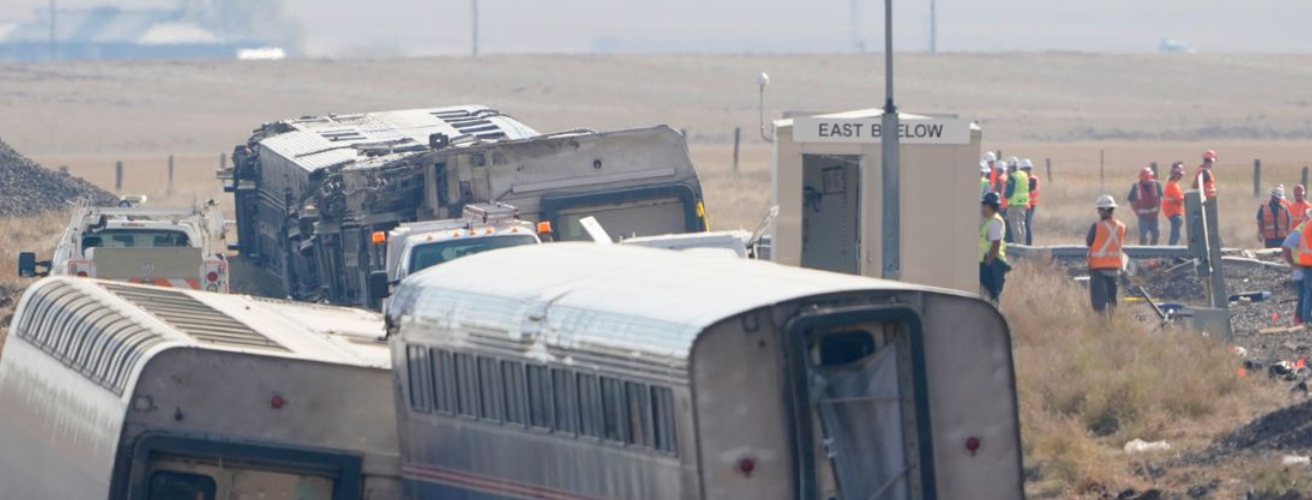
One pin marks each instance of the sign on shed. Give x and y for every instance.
(868, 130)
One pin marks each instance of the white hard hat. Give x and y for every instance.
(983, 167)
(1105, 201)
(1026, 163)
(1278, 191)
(1013, 161)
(990, 156)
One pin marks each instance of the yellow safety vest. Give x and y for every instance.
(985, 244)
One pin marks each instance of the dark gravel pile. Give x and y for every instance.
(28, 189)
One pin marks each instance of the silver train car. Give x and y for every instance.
(119, 391)
(572, 372)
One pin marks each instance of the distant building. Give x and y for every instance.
(114, 33)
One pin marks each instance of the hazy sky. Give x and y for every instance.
(421, 27)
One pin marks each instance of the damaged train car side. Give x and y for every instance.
(310, 192)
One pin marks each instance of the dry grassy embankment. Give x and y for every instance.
(36, 234)
(1088, 385)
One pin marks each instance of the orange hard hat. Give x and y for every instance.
(1146, 174)
(1209, 155)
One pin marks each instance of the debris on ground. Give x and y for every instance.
(1292, 460)
(1141, 446)
(28, 189)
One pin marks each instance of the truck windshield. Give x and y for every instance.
(129, 238)
(431, 254)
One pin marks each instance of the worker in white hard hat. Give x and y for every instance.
(1274, 221)
(1017, 195)
(1106, 255)
(1028, 167)
(984, 178)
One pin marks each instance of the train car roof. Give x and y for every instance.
(146, 320)
(618, 298)
(320, 141)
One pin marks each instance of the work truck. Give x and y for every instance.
(169, 247)
(310, 193)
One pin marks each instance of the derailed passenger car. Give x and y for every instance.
(611, 371)
(119, 391)
(311, 192)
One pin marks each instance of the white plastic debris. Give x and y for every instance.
(1292, 460)
(1141, 446)
(1241, 352)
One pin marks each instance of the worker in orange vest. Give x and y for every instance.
(1028, 167)
(1273, 219)
(1299, 207)
(1206, 173)
(1106, 256)
(1297, 250)
(1146, 199)
(1173, 202)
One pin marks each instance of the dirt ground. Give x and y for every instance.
(1096, 118)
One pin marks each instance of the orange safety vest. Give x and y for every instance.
(1298, 211)
(1034, 191)
(1303, 253)
(1173, 199)
(1108, 238)
(1275, 225)
(1000, 186)
(1209, 182)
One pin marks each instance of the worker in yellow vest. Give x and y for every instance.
(1018, 202)
(1106, 241)
(993, 265)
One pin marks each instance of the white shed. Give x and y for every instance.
(827, 185)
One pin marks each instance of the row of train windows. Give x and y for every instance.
(563, 401)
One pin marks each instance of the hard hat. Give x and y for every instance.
(1299, 190)
(1146, 174)
(1209, 155)
(1013, 161)
(991, 199)
(1025, 164)
(1105, 201)
(1278, 191)
(1177, 169)
(990, 156)
(983, 167)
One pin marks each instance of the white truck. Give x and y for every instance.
(169, 247)
(412, 247)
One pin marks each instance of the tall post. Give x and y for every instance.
(54, 37)
(1047, 162)
(169, 191)
(933, 26)
(1303, 179)
(1219, 298)
(1257, 178)
(1153, 166)
(473, 23)
(737, 138)
(223, 160)
(890, 166)
(118, 176)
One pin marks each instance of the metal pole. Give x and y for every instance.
(473, 20)
(933, 26)
(889, 140)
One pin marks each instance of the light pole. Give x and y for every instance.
(890, 174)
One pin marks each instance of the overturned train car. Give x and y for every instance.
(310, 192)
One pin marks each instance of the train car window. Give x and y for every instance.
(489, 383)
(466, 385)
(444, 381)
(589, 406)
(540, 397)
(416, 365)
(512, 373)
(614, 413)
(844, 347)
(662, 412)
(639, 413)
(565, 390)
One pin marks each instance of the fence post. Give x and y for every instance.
(737, 137)
(223, 160)
(1257, 178)
(1047, 162)
(1304, 179)
(169, 191)
(1153, 165)
(118, 176)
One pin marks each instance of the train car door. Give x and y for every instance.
(176, 468)
(858, 397)
(831, 212)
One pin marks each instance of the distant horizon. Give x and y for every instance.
(408, 28)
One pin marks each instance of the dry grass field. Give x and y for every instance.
(1087, 385)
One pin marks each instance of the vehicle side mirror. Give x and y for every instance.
(27, 265)
(379, 286)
